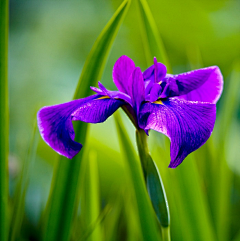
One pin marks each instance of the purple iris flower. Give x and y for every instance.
(183, 107)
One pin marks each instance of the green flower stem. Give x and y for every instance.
(3, 120)
(154, 184)
(166, 234)
(144, 209)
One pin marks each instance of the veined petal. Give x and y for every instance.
(136, 88)
(198, 85)
(97, 110)
(55, 122)
(187, 124)
(122, 70)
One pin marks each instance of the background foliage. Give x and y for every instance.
(48, 45)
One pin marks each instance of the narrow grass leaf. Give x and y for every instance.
(190, 212)
(91, 199)
(194, 201)
(62, 201)
(153, 45)
(4, 119)
(21, 189)
(224, 174)
(111, 215)
(99, 53)
(145, 211)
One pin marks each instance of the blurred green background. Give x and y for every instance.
(48, 45)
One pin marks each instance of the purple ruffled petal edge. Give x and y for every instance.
(187, 124)
(203, 85)
(55, 122)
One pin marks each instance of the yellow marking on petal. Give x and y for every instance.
(160, 82)
(103, 97)
(159, 102)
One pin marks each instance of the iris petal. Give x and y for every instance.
(98, 91)
(136, 88)
(112, 94)
(55, 122)
(187, 124)
(149, 73)
(198, 85)
(122, 70)
(155, 92)
(97, 110)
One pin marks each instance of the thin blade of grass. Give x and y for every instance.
(153, 45)
(145, 211)
(99, 53)
(90, 207)
(20, 193)
(193, 200)
(4, 120)
(62, 201)
(224, 175)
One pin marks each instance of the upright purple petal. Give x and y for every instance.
(198, 85)
(136, 88)
(157, 69)
(55, 122)
(122, 70)
(187, 124)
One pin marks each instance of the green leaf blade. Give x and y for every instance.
(145, 211)
(99, 53)
(152, 41)
(62, 201)
(4, 120)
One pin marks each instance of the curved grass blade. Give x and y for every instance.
(99, 53)
(90, 205)
(224, 176)
(21, 189)
(62, 201)
(192, 198)
(153, 45)
(3, 120)
(145, 211)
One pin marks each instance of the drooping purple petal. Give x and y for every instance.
(122, 70)
(136, 88)
(55, 122)
(198, 85)
(97, 110)
(187, 124)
